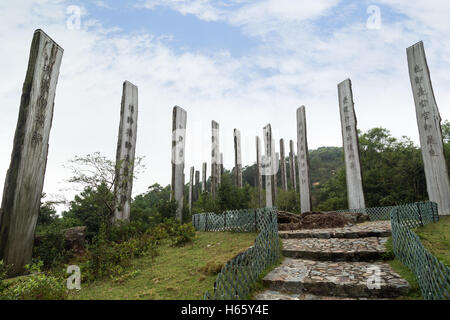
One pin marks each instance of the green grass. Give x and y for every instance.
(176, 273)
(404, 272)
(436, 238)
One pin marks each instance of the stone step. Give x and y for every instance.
(335, 249)
(363, 230)
(337, 279)
(276, 295)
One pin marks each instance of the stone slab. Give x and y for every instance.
(338, 279)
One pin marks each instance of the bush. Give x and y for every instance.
(179, 234)
(288, 201)
(37, 286)
(110, 259)
(49, 248)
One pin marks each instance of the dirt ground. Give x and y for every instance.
(318, 220)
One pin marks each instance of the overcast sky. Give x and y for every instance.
(243, 63)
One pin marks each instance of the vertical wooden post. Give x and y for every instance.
(191, 188)
(204, 176)
(275, 167)
(303, 161)
(267, 164)
(125, 154)
(197, 185)
(284, 184)
(237, 158)
(179, 118)
(259, 181)
(25, 178)
(351, 146)
(292, 171)
(215, 159)
(430, 132)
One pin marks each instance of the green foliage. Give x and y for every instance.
(153, 206)
(179, 234)
(288, 201)
(110, 259)
(37, 286)
(50, 249)
(91, 209)
(233, 198)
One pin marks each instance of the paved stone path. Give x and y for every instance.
(363, 230)
(342, 267)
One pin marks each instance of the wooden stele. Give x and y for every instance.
(191, 188)
(25, 178)
(303, 161)
(204, 176)
(197, 185)
(126, 149)
(179, 118)
(430, 132)
(351, 146)
(259, 181)
(292, 171)
(215, 159)
(221, 167)
(237, 158)
(267, 165)
(284, 184)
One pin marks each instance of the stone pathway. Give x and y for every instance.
(341, 266)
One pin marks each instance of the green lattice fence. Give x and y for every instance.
(238, 277)
(432, 275)
(376, 213)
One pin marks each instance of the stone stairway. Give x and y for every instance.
(329, 264)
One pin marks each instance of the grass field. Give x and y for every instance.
(436, 238)
(182, 273)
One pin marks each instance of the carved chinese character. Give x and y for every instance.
(423, 103)
(345, 100)
(426, 115)
(421, 92)
(417, 69)
(430, 140)
(130, 120)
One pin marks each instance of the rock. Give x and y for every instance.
(74, 239)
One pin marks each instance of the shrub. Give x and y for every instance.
(37, 286)
(178, 233)
(49, 248)
(110, 259)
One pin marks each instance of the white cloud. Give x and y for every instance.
(294, 65)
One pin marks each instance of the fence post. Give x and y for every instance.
(256, 220)
(206, 221)
(225, 221)
(420, 213)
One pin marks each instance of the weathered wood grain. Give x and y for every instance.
(25, 178)
(303, 161)
(125, 154)
(204, 176)
(351, 146)
(430, 132)
(284, 183)
(215, 159)
(259, 182)
(292, 171)
(237, 158)
(179, 118)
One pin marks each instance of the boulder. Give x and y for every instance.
(74, 239)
